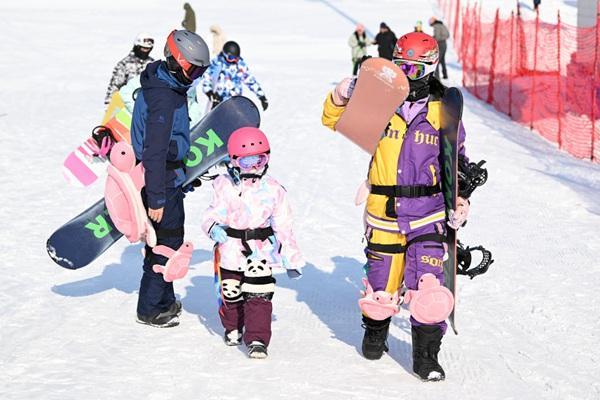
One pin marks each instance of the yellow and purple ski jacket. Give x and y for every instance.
(407, 155)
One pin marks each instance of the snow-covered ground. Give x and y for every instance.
(528, 328)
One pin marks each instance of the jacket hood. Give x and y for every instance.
(156, 76)
(216, 29)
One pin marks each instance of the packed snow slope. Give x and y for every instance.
(528, 328)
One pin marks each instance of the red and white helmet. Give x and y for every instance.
(417, 54)
(249, 144)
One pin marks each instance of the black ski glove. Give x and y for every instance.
(264, 102)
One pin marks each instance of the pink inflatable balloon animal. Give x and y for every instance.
(178, 261)
(378, 305)
(431, 303)
(123, 198)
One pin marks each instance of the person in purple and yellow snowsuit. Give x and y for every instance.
(405, 215)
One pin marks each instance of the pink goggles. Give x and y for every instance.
(413, 70)
(256, 161)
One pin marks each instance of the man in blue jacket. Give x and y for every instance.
(160, 135)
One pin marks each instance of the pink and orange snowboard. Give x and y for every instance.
(82, 167)
(380, 89)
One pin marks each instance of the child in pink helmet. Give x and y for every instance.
(250, 219)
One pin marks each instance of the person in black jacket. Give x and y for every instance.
(441, 34)
(385, 41)
(160, 136)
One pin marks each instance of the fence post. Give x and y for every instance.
(492, 74)
(558, 75)
(511, 62)
(535, 48)
(594, 73)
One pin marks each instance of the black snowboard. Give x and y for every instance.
(452, 106)
(84, 238)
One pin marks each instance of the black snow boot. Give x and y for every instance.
(426, 341)
(375, 339)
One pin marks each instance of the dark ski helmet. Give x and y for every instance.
(232, 51)
(186, 51)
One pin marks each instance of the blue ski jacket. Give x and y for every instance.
(160, 130)
(227, 79)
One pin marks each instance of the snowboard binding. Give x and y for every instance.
(470, 177)
(464, 259)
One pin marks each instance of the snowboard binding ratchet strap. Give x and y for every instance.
(394, 191)
(464, 258)
(470, 177)
(249, 234)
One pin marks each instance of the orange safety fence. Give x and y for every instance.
(544, 75)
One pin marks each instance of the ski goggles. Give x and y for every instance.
(194, 71)
(253, 162)
(413, 70)
(231, 58)
(147, 43)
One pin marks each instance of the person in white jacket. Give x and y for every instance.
(250, 219)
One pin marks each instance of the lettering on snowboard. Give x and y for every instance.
(195, 155)
(100, 228)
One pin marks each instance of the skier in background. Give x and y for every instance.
(441, 34)
(385, 41)
(250, 219)
(419, 26)
(160, 136)
(358, 42)
(227, 74)
(189, 20)
(132, 65)
(218, 39)
(405, 216)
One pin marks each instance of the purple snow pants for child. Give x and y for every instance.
(245, 312)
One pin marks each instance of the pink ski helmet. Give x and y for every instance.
(247, 141)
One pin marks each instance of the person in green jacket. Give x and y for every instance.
(189, 20)
(358, 42)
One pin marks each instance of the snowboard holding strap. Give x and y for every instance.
(249, 234)
(394, 191)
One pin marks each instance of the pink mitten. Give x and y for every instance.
(342, 92)
(458, 217)
(178, 261)
(431, 303)
(378, 305)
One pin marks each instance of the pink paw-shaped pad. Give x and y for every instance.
(431, 303)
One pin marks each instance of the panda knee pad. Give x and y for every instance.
(258, 280)
(231, 290)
